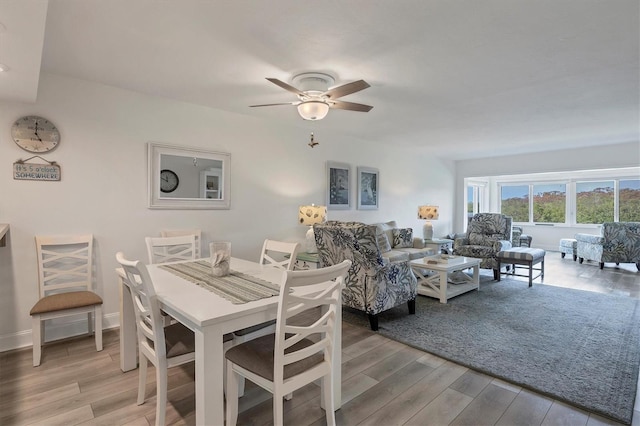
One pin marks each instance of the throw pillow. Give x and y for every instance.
(402, 237)
(383, 241)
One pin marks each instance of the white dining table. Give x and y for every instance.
(210, 317)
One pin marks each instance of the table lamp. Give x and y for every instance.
(429, 213)
(310, 215)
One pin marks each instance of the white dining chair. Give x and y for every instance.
(272, 254)
(279, 254)
(181, 232)
(65, 281)
(164, 347)
(171, 249)
(295, 355)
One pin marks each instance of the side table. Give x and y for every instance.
(307, 261)
(440, 245)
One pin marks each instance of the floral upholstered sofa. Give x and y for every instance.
(618, 242)
(372, 285)
(398, 244)
(487, 234)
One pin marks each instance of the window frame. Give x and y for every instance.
(570, 180)
(480, 200)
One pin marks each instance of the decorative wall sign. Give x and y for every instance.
(25, 171)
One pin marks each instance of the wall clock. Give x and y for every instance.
(168, 180)
(35, 134)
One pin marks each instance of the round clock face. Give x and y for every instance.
(35, 134)
(168, 181)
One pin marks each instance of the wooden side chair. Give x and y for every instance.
(171, 249)
(181, 232)
(65, 279)
(296, 354)
(164, 347)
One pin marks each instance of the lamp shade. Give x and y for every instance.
(310, 215)
(428, 212)
(313, 110)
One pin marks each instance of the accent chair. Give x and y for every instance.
(618, 242)
(487, 234)
(372, 285)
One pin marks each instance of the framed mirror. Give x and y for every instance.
(187, 178)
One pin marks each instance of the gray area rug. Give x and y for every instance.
(575, 346)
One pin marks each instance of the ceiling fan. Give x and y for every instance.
(315, 97)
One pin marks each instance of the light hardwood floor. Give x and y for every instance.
(384, 382)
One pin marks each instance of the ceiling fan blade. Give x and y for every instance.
(285, 86)
(351, 106)
(285, 103)
(346, 89)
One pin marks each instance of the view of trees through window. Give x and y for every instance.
(515, 202)
(629, 204)
(595, 202)
(549, 203)
(473, 200)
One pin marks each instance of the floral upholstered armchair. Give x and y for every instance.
(487, 234)
(519, 238)
(372, 285)
(618, 242)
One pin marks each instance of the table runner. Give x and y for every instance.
(236, 287)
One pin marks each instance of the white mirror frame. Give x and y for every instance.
(156, 201)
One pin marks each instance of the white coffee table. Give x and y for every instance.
(437, 285)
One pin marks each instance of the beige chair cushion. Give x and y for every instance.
(68, 300)
(395, 256)
(417, 253)
(179, 340)
(257, 356)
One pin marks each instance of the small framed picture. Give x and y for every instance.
(368, 184)
(338, 186)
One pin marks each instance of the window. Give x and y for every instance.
(629, 200)
(475, 198)
(591, 198)
(549, 203)
(472, 201)
(595, 202)
(515, 202)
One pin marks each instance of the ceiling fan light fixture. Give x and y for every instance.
(313, 110)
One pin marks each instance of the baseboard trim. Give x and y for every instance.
(23, 339)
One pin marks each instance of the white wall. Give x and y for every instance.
(102, 154)
(620, 155)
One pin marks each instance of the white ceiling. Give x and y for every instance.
(466, 78)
